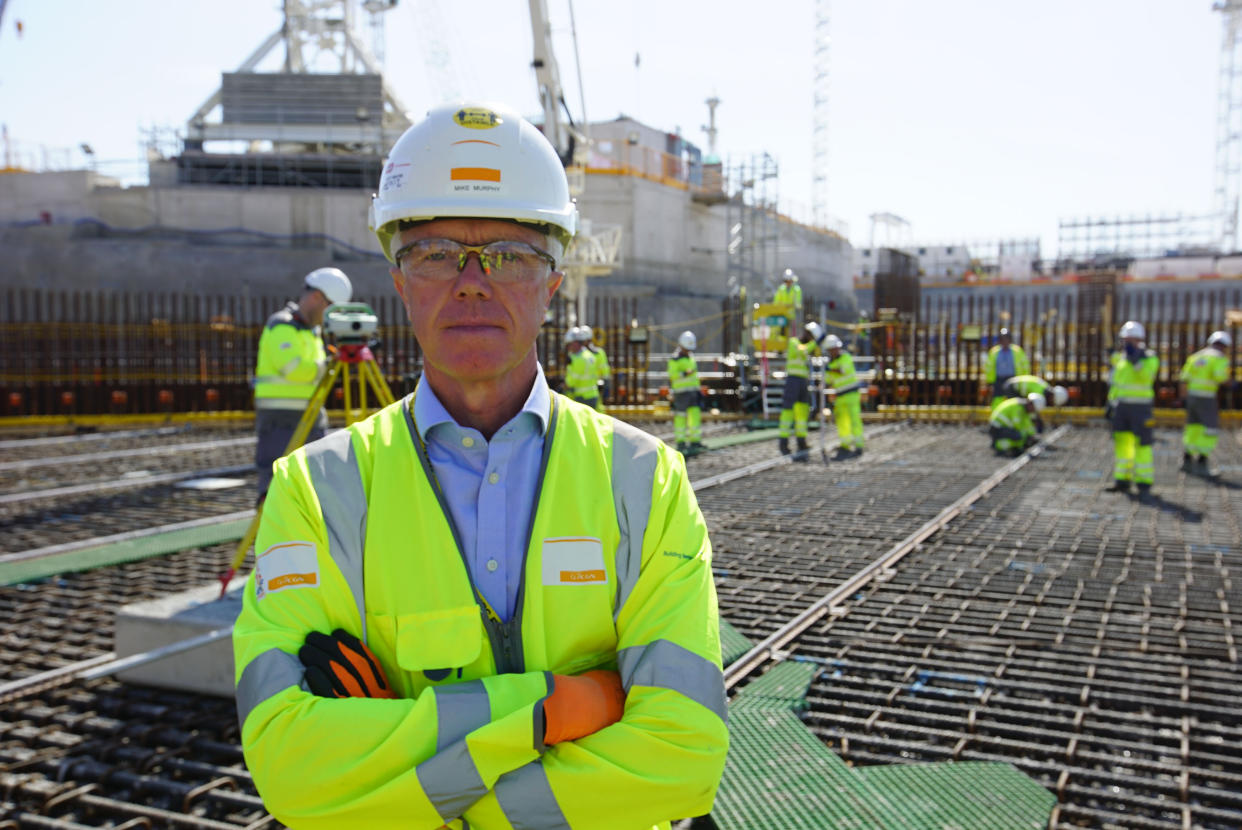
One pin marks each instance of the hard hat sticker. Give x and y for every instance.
(476, 118)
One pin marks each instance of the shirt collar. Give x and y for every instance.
(429, 412)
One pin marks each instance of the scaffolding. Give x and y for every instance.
(752, 233)
(1086, 240)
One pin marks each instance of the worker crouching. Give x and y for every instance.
(1015, 422)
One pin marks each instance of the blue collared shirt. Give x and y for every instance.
(489, 486)
(1004, 363)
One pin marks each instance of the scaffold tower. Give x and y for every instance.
(1229, 125)
(819, 123)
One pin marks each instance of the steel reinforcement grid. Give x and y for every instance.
(1080, 635)
(1083, 636)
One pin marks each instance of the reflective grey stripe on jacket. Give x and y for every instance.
(271, 672)
(527, 799)
(334, 474)
(451, 781)
(634, 457)
(666, 665)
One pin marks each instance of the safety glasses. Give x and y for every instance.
(443, 259)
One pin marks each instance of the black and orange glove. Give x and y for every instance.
(582, 705)
(342, 666)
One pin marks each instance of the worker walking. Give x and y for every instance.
(581, 381)
(1005, 360)
(486, 604)
(1131, 396)
(1020, 386)
(1204, 372)
(683, 380)
(291, 360)
(796, 395)
(847, 404)
(603, 372)
(1015, 422)
(789, 293)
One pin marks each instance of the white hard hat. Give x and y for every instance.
(571, 334)
(790, 275)
(833, 342)
(1060, 395)
(816, 330)
(332, 282)
(1038, 400)
(585, 335)
(1132, 329)
(1220, 338)
(473, 161)
(688, 341)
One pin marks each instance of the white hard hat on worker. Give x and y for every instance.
(474, 178)
(331, 282)
(474, 161)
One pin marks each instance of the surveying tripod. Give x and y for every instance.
(350, 325)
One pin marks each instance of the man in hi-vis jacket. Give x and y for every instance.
(485, 606)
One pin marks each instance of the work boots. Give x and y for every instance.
(804, 451)
(783, 443)
(1119, 485)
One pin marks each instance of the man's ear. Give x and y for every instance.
(398, 282)
(555, 278)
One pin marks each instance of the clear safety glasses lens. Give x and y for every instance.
(444, 259)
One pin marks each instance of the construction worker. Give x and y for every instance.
(790, 293)
(847, 405)
(683, 380)
(484, 605)
(1014, 423)
(1005, 360)
(603, 372)
(1131, 396)
(581, 382)
(1019, 386)
(1204, 372)
(796, 396)
(290, 362)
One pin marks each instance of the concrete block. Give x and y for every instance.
(147, 625)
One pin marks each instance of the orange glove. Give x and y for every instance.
(342, 666)
(582, 705)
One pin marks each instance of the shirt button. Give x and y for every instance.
(467, 441)
(493, 478)
(492, 564)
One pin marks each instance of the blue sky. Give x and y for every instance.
(971, 119)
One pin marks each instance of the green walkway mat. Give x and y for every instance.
(780, 775)
(733, 643)
(969, 795)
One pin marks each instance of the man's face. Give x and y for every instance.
(470, 328)
(1005, 340)
(313, 303)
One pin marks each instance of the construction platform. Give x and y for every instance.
(928, 636)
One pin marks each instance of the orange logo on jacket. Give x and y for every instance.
(583, 576)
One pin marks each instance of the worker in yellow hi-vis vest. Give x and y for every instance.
(486, 605)
(291, 359)
(1131, 398)
(1201, 377)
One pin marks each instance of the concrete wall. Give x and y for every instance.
(673, 255)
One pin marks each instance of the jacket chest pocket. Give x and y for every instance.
(433, 646)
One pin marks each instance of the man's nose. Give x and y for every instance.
(471, 279)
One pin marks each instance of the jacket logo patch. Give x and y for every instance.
(286, 565)
(573, 560)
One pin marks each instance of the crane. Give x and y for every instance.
(595, 251)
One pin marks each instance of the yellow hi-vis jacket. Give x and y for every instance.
(683, 372)
(1204, 372)
(291, 358)
(1012, 413)
(617, 575)
(840, 375)
(581, 380)
(602, 370)
(788, 295)
(1133, 383)
(796, 355)
(1021, 364)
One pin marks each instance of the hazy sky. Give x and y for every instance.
(972, 119)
